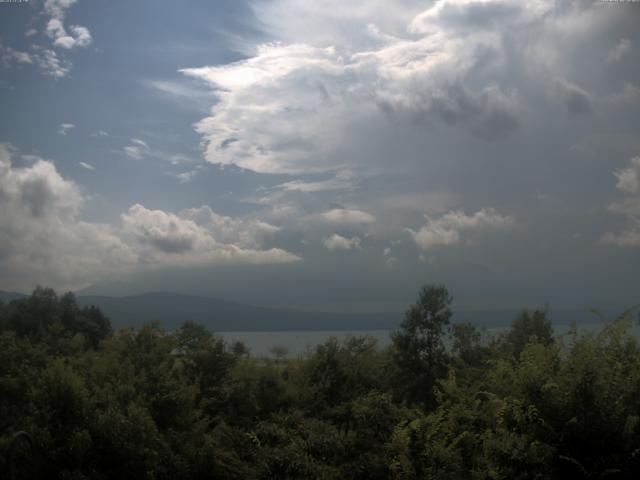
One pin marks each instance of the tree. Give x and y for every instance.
(529, 327)
(193, 337)
(57, 321)
(279, 353)
(467, 343)
(419, 351)
(34, 316)
(90, 322)
(95, 325)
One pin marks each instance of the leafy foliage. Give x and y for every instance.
(419, 349)
(79, 401)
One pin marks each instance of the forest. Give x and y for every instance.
(444, 401)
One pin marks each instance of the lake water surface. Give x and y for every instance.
(297, 343)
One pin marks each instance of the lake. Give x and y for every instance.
(297, 343)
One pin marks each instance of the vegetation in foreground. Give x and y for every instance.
(78, 401)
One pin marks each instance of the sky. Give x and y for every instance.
(327, 154)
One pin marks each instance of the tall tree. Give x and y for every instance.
(529, 327)
(467, 343)
(419, 350)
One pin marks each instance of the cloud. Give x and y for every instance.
(246, 232)
(348, 84)
(55, 29)
(43, 240)
(627, 238)
(86, 166)
(291, 107)
(176, 159)
(9, 56)
(77, 36)
(165, 232)
(344, 216)
(80, 37)
(342, 181)
(193, 237)
(57, 8)
(65, 128)
(37, 189)
(338, 242)
(577, 101)
(137, 149)
(628, 183)
(335, 22)
(490, 113)
(434, 202)
(629, 178)
(389, 260)
(435, 105)
(447, 230)
(185, 93)
(50, 63)
(621, 50)
(45, 57)
(629, 207)
(257, 126)
(187, 177)
(100, 134)
(628, 98)
(177, 89)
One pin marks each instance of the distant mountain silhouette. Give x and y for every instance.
(7, 297)
(173, 309)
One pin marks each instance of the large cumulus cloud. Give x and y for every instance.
(43, 238)
(445, 92)
(297, 107)
(300, 104)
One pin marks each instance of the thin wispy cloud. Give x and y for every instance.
(343, 180)
(137, 149)
(65, 128)
(345, 216)
(86, 166)
(619, 51)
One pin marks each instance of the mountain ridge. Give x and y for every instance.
(172, 309)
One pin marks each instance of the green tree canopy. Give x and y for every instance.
(419, 350)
